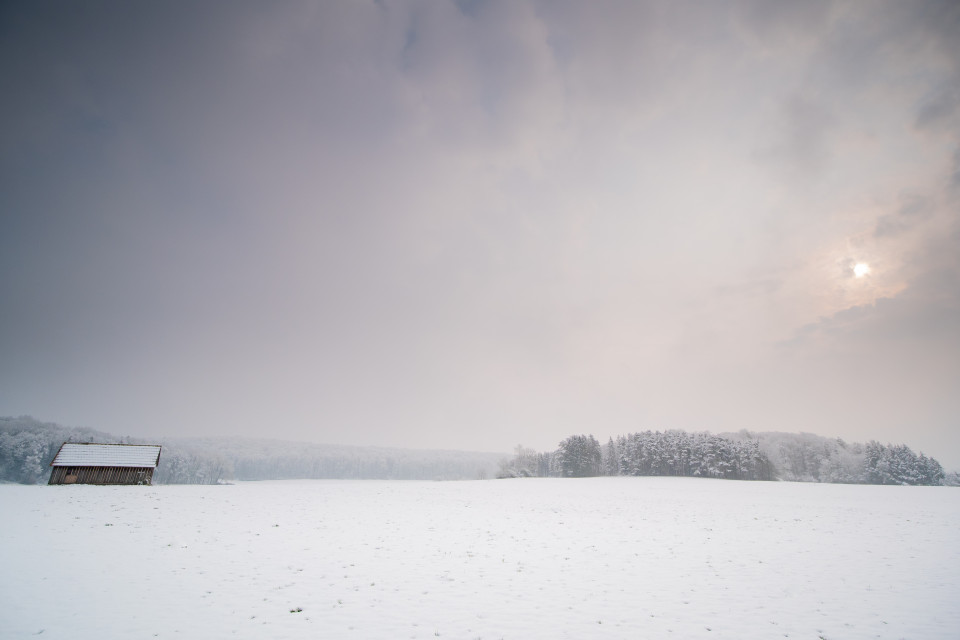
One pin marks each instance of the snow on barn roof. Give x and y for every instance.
(74, 454)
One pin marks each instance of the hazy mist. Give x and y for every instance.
(476, 224)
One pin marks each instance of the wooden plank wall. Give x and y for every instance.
(101, 475)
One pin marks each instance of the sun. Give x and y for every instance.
(861, 269)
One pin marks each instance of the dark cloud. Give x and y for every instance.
(955, 173)
(938, 110)
(913, 210)
(772, 23)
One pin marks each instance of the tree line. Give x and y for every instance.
(27, 447)
(741, 456)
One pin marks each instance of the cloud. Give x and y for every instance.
(922, 321)
(772, 24)
(939, 110)
(955, 174)
(913, 211)
(460, 224)
(804, 144)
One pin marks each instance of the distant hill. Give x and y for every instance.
(27, 446)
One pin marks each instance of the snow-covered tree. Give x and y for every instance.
(579, 457)
(611, 459)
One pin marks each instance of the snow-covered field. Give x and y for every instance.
(535, 558)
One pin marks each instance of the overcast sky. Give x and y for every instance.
(479, 224)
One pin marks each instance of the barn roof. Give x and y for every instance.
(74, 454)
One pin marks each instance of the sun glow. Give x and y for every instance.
(861, 269)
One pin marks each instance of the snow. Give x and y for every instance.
(528, 558)
(84, 454)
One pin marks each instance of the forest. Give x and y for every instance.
(802, 457)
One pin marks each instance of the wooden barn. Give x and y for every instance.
(87, 463)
